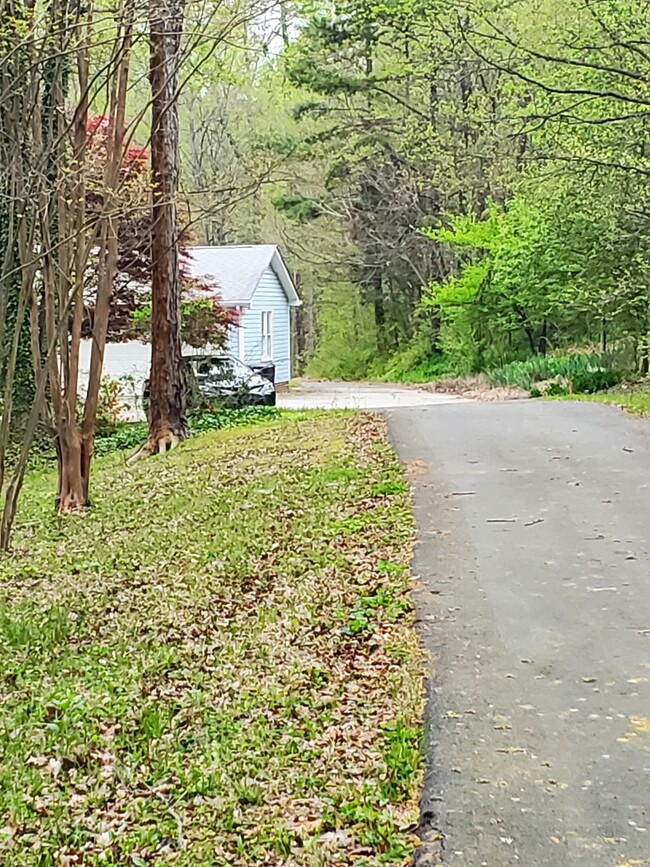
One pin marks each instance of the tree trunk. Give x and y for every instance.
(543, 339)
(644, 355)
(380, 312)
(528, 331)
(73, 472)
(168, 381)
(284, 23)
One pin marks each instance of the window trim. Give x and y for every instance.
(241, 347)
(266, 353)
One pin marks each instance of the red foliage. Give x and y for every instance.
(135, 158)
(234, 314)
(204, 322)
(223, 317)
(98, 123)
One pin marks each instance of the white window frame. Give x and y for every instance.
(241, 349)
(266, 353)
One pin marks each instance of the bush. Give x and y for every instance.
(586, 372)
(109, 404)
(342, 361)
(591, 381)
(415, 362)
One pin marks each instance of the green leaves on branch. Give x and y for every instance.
(299, 208)
(204, 321)
(539, 275)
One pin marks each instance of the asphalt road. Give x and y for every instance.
(533, 602)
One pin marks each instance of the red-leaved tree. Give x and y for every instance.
(204, 320)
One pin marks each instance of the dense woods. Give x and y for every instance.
(456, 188)
(458, 185)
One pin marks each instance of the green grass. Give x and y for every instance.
(216, 664)
(129, 435)
(637, 402)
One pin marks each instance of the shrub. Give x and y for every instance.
(417, 361)
(109, 405)
(591, 381)
(585, 372)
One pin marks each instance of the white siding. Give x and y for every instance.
(269, 296)
(233, 341)
(129, 362)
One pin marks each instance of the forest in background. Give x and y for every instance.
(456, 186)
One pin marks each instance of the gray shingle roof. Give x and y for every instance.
(236, 271)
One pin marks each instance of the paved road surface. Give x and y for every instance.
(359, 395)
(534, 603)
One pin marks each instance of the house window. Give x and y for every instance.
(267, 337)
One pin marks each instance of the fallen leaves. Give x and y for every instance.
(217, 664)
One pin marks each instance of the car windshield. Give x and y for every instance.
(223, 368)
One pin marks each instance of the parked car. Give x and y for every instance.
(224, 380)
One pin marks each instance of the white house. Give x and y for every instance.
(254, 280)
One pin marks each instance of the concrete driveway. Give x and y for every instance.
(359, 395)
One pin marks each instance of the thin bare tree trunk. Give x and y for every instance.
(109, 245)
(71, 493)
(168, 382)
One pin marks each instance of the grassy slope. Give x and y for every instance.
(217, 664)
(637, 402)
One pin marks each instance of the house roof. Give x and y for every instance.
(235, 271)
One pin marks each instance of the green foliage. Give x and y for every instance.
(298, 208)
(591, 381)
(203, 322)
(402, 368)
(350, 359)
(416, 361)
(347, 348)
(369, 610)
(582, 372)
(341, 361)
(461, 339)
(540, 274)
(402, 757)
(28, 627)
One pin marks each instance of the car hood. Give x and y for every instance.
(253, 381)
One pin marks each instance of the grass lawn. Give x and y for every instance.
(217, 664)
(637, 402)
